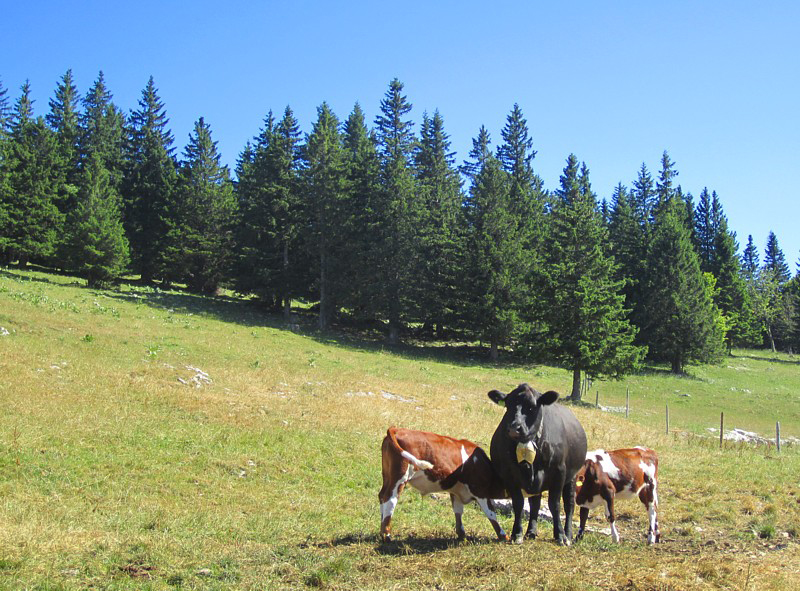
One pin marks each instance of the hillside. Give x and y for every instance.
(160, 440)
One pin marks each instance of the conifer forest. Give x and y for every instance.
(378, 226)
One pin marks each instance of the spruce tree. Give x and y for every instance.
(682, 320)
(588, 329)
(775, 261)
(643, 196)
(496, 263)
(441, 227)
(705, 231)
(5, 112)
(103, 131)
(204, 236)
(398, 211)
(64, 120)
(665, 189)
(97, 247)
(527, 205)
(731, 295)
(362, 258)
(627, 240)
(271, 265)
(479, 153)
(750, 259)
(29, 214)
(325, 188)
(149, 188)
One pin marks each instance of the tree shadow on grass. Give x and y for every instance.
(348, 334)
(767, 359)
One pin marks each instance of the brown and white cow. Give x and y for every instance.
(435, 463)
(622, 473)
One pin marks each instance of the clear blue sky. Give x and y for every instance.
(715, 83)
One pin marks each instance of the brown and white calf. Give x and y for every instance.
(437, 463)
(622, 473)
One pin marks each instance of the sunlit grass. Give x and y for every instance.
(122, 467)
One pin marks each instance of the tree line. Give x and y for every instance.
(378, 225)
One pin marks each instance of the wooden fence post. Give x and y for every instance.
(627, 401)
(667, 418)
(597, 399)
(778, 436)
(721, 427)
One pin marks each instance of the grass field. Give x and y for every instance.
(159, 440)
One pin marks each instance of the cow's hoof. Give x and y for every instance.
(563, 541)
(386, 538)
(517, 539)
(531, 535)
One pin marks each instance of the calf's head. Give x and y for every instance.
(586, 481)
(523, 411)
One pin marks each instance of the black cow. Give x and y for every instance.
(538, 446)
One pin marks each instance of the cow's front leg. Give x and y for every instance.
(488, 509)
(612, 518)
(584, 512)
(534, 503)
(554, 502)
(518, 503)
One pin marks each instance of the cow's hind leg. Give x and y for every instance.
(488, 509)
(649, 498)
(393, 485)
(568, 497)
(554, 503)
(458, 511)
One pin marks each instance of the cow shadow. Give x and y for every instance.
(407, 545)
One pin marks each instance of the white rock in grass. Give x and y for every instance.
(4, 332)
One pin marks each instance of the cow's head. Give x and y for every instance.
(585, 481)
(523, 407)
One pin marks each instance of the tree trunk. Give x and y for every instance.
(677, 366)
(323, 296)
(493, 352)
(575, 396)
(394, 332)
(287, 301)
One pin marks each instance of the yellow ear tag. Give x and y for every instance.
(526, 452)
(579, 484)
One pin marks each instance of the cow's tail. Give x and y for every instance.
(416, 462)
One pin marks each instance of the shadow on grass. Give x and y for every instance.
(421, 546)
(349, 333)
(405, 546)
(767, 359)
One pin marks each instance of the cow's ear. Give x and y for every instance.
(548, 397)
(498, 397)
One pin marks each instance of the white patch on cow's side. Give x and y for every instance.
(648, 470)
(464, 455)
(603, 458)
(593, 502)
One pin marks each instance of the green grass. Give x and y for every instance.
(121, 468)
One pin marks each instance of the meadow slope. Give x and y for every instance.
(161, 440)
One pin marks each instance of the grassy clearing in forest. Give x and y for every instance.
(160, 440)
